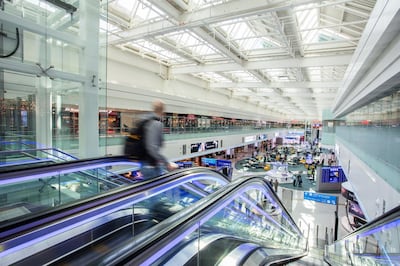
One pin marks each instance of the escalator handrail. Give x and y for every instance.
(40, 169)
(37, 150)
(385, 218)
(23, 225)
(49, 170)
(6, 167)
(158, 237)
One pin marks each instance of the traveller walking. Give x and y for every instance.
(146, 143)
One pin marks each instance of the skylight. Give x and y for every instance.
(212, 76)
(242, 76)
(185, 39)
(43, 5)
(153, 49)
(199, 4)
(311, 29)
(308, 23)
(139, 10)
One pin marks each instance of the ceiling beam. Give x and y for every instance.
(317, 61)
(282, 85)
(205, 16)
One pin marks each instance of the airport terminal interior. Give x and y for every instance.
(283, 117)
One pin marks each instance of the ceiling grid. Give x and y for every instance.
(289, 56)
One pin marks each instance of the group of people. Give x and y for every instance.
(297, 180)
(274, 184)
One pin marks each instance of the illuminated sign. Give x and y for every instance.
(249, 138)
(333, 174)
(322, 198)
(209, 161)
(203, 146)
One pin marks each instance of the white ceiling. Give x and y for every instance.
(287, 56)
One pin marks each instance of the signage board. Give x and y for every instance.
(322, 198)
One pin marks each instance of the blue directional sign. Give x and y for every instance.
(323, 198)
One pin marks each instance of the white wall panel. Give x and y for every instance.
(373, 193)
(130, 77)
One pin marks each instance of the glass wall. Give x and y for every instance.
(372, 132)
(47, 74)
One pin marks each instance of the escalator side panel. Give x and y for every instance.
(239, 254)
(256, 257)
(214, 252)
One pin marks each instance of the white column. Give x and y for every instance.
(43, 114)
(88, 102)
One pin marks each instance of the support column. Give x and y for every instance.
(43, 130)
(89, 92)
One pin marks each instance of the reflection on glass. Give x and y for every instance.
(247, 222)
(45, 191)
(379, 245)
(115, 222)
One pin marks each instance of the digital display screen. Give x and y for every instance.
(262, 136)
(209, 161)
(203, 146)
(309, 158)
(184, 164)
(224, 163)
(355, 209)
(333, 174)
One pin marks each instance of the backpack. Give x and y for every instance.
(135, 142)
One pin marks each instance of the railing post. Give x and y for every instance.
(326, 236)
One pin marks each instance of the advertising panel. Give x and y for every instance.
(322, 198)
(209, 162)
(203, 146)
(333, 174)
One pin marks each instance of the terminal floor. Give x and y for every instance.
(313, 217)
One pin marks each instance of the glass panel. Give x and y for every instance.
(114, 223)
(16, 155)
(370, 131)
(50, 74)
(248, 221)
(377, 246)
(43, 191)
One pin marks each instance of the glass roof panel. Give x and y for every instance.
(310, 27)
(307, 22)
(126, 5)
(159, 52)
(189, 41)
(246, 34)
(242, 76)
(139, 10)
(107, 27)
(199, 4)
(42, 4)
(211, 76)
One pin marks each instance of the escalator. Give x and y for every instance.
(375, 243)
(162, 221)
(17, 155)
(26, 190)
(189, 217)
(92, 225)
(242, 223)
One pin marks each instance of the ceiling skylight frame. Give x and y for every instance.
(138, 9)
(193, 43)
